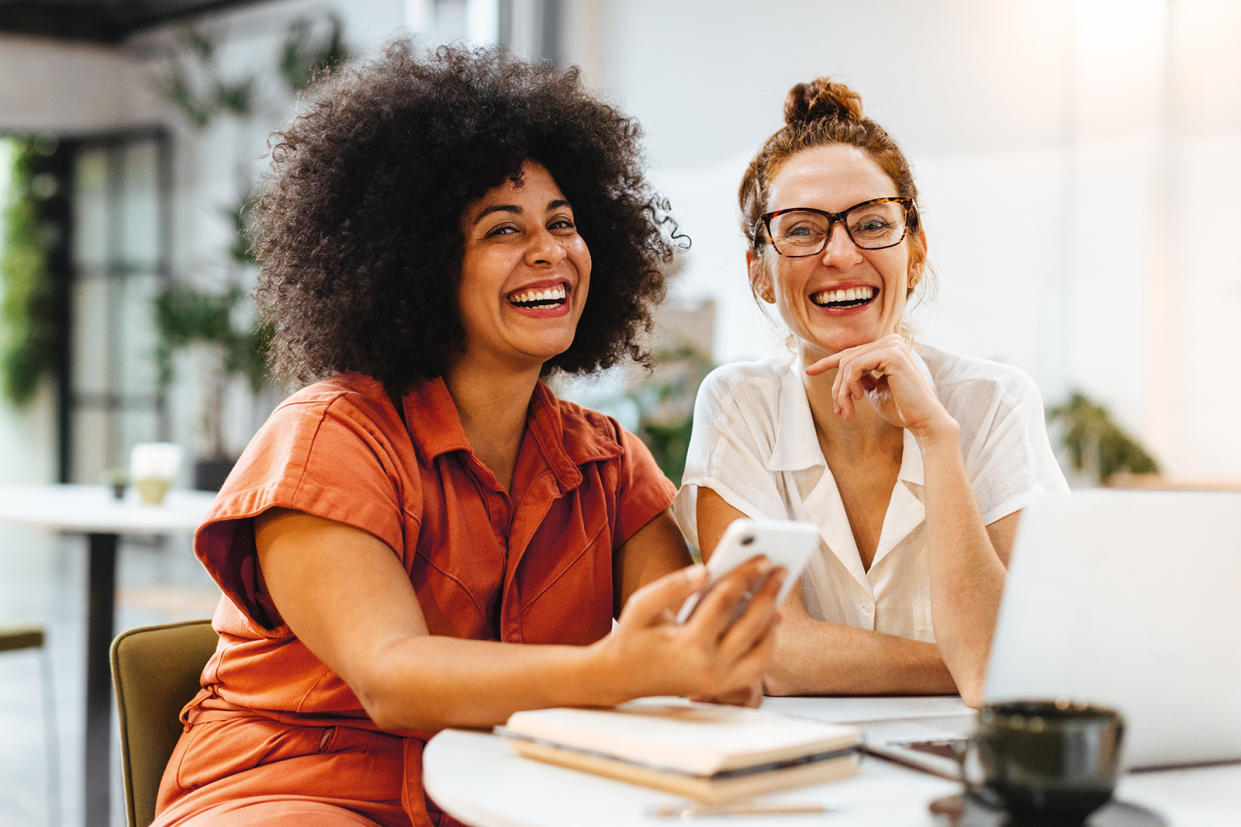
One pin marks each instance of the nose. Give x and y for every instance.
(545, 249)
(839, 246)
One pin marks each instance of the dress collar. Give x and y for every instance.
(563, 432)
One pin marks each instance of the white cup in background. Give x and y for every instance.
(153, 467)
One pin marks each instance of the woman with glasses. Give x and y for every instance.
(913, 463)
(425, 536)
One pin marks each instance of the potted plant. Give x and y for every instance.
(28, 329)
(1097, 446)
(217, 323)
(232, 349)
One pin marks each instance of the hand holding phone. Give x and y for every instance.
(787, 543)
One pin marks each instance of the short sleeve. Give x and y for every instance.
(734, 432)
(644, 491)
(1008, 455)
(327, 458)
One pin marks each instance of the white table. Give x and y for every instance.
(475, 777)
(93, 511)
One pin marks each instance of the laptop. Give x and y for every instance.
(1129, 599)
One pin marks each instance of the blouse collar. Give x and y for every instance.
(797, 444)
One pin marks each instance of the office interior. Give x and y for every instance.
(1076, 161)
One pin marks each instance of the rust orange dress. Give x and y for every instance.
(277, 737)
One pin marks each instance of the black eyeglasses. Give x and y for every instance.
(871, 225)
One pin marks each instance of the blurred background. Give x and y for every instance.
(1078, 163)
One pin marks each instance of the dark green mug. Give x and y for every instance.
(1044, 761)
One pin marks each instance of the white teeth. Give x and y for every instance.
(549, 294)
(851, 294)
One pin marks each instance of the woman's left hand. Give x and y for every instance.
(885, 373)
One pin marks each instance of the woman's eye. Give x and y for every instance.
(503, 229)
(803, 231)
(562, 224)
(872, 224)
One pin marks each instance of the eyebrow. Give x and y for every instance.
(513, 208)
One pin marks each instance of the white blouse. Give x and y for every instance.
(754, 444)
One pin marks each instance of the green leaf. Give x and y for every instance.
(1096, 443)
(29, 331)
(304, 57)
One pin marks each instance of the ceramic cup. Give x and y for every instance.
(153, 467)
(1044, 761)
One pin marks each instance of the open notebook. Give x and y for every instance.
(709, 752)
(1123, 598)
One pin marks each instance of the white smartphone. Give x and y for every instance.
(787, 543)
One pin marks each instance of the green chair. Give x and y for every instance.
(16, 638)
(155, 672)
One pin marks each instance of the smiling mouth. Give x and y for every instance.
(546, 297)
(849, 297)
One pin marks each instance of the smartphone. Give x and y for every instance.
(787, 543)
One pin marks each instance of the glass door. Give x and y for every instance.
(118, 251)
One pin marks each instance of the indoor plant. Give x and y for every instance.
(217, 322)
(1097, 446)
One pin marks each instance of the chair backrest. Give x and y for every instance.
(155, 672)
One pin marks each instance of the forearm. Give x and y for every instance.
(423, 682)
(431, 682)
(813, 657)
(967, 576)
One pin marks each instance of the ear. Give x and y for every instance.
(760, 281)
(917, 263)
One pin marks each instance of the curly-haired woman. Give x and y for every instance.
(914, 463)
(437, 234)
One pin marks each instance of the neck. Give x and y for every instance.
(492, 405)
(862, 435)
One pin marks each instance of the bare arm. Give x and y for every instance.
(968, 563)
(655, 550)
(346, 596)
(814, 657)
(968, 559)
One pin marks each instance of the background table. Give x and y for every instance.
(477, 778)
(93, 511)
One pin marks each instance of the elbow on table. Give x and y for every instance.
(970, 686)
(779, 680)
(966, 660)
(971, 696)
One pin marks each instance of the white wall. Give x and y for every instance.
(58, 87)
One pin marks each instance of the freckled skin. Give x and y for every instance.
(833, 178)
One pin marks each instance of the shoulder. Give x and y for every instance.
(348, 394)
(619, 459)
(967, 381)
(585, 429)
(329, 424)
(749, 387)
(756, 373)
